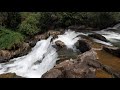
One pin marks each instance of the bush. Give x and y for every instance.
(100, 19)
(13, 20)
(30, 25)
(3, 18)
(9, 39)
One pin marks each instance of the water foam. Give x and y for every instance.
(41, 59)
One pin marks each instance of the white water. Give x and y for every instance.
(42, 58)
(69, 38)
(29, 65)
(102, 42)
(110, 35)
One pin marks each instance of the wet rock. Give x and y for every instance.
(65, 53)
(9, 75)
(23, 50)
(112, 50)
(40, 37)
(43, 36)
(60, 43)
(32, 43)
(6, 55)
(53, 33)
(73, 69)
(89, 55)
(70, 69)
(54, 73)
(98, 36)
(75, 27)
(83, 45)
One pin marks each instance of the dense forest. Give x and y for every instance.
(15, 27)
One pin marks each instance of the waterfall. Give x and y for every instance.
(69, 38)
(41, 59)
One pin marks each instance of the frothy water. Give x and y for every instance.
(42, 58)
(102, 42)
(110, 35)
(69, 38)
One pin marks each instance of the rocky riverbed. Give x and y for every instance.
(82, 56)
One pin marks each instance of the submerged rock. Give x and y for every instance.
(112, 50)
(66, 54)
(98, 36)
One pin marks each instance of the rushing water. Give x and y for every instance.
(112, 34)
(43, 56)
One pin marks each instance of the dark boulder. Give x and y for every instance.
(83, 46)
(76, 27)
(98, 36)
(112, 50)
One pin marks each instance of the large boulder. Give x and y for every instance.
(83, 46)
(85, 66)
(76, 68)
(6, 55)
(112, 50)
(70, 69)
(98, 36)
(23, 50)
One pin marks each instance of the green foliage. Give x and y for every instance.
(9, 39)
(3, 18)
(100, 19)
(30, 25)
(10, 19)
(13, 20)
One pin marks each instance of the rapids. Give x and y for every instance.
(43, 56)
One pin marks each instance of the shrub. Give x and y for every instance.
(30, 25)
(9, 39)
(13, 20)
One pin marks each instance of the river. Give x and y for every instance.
(43, 56)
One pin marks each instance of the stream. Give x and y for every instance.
(43, 56)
